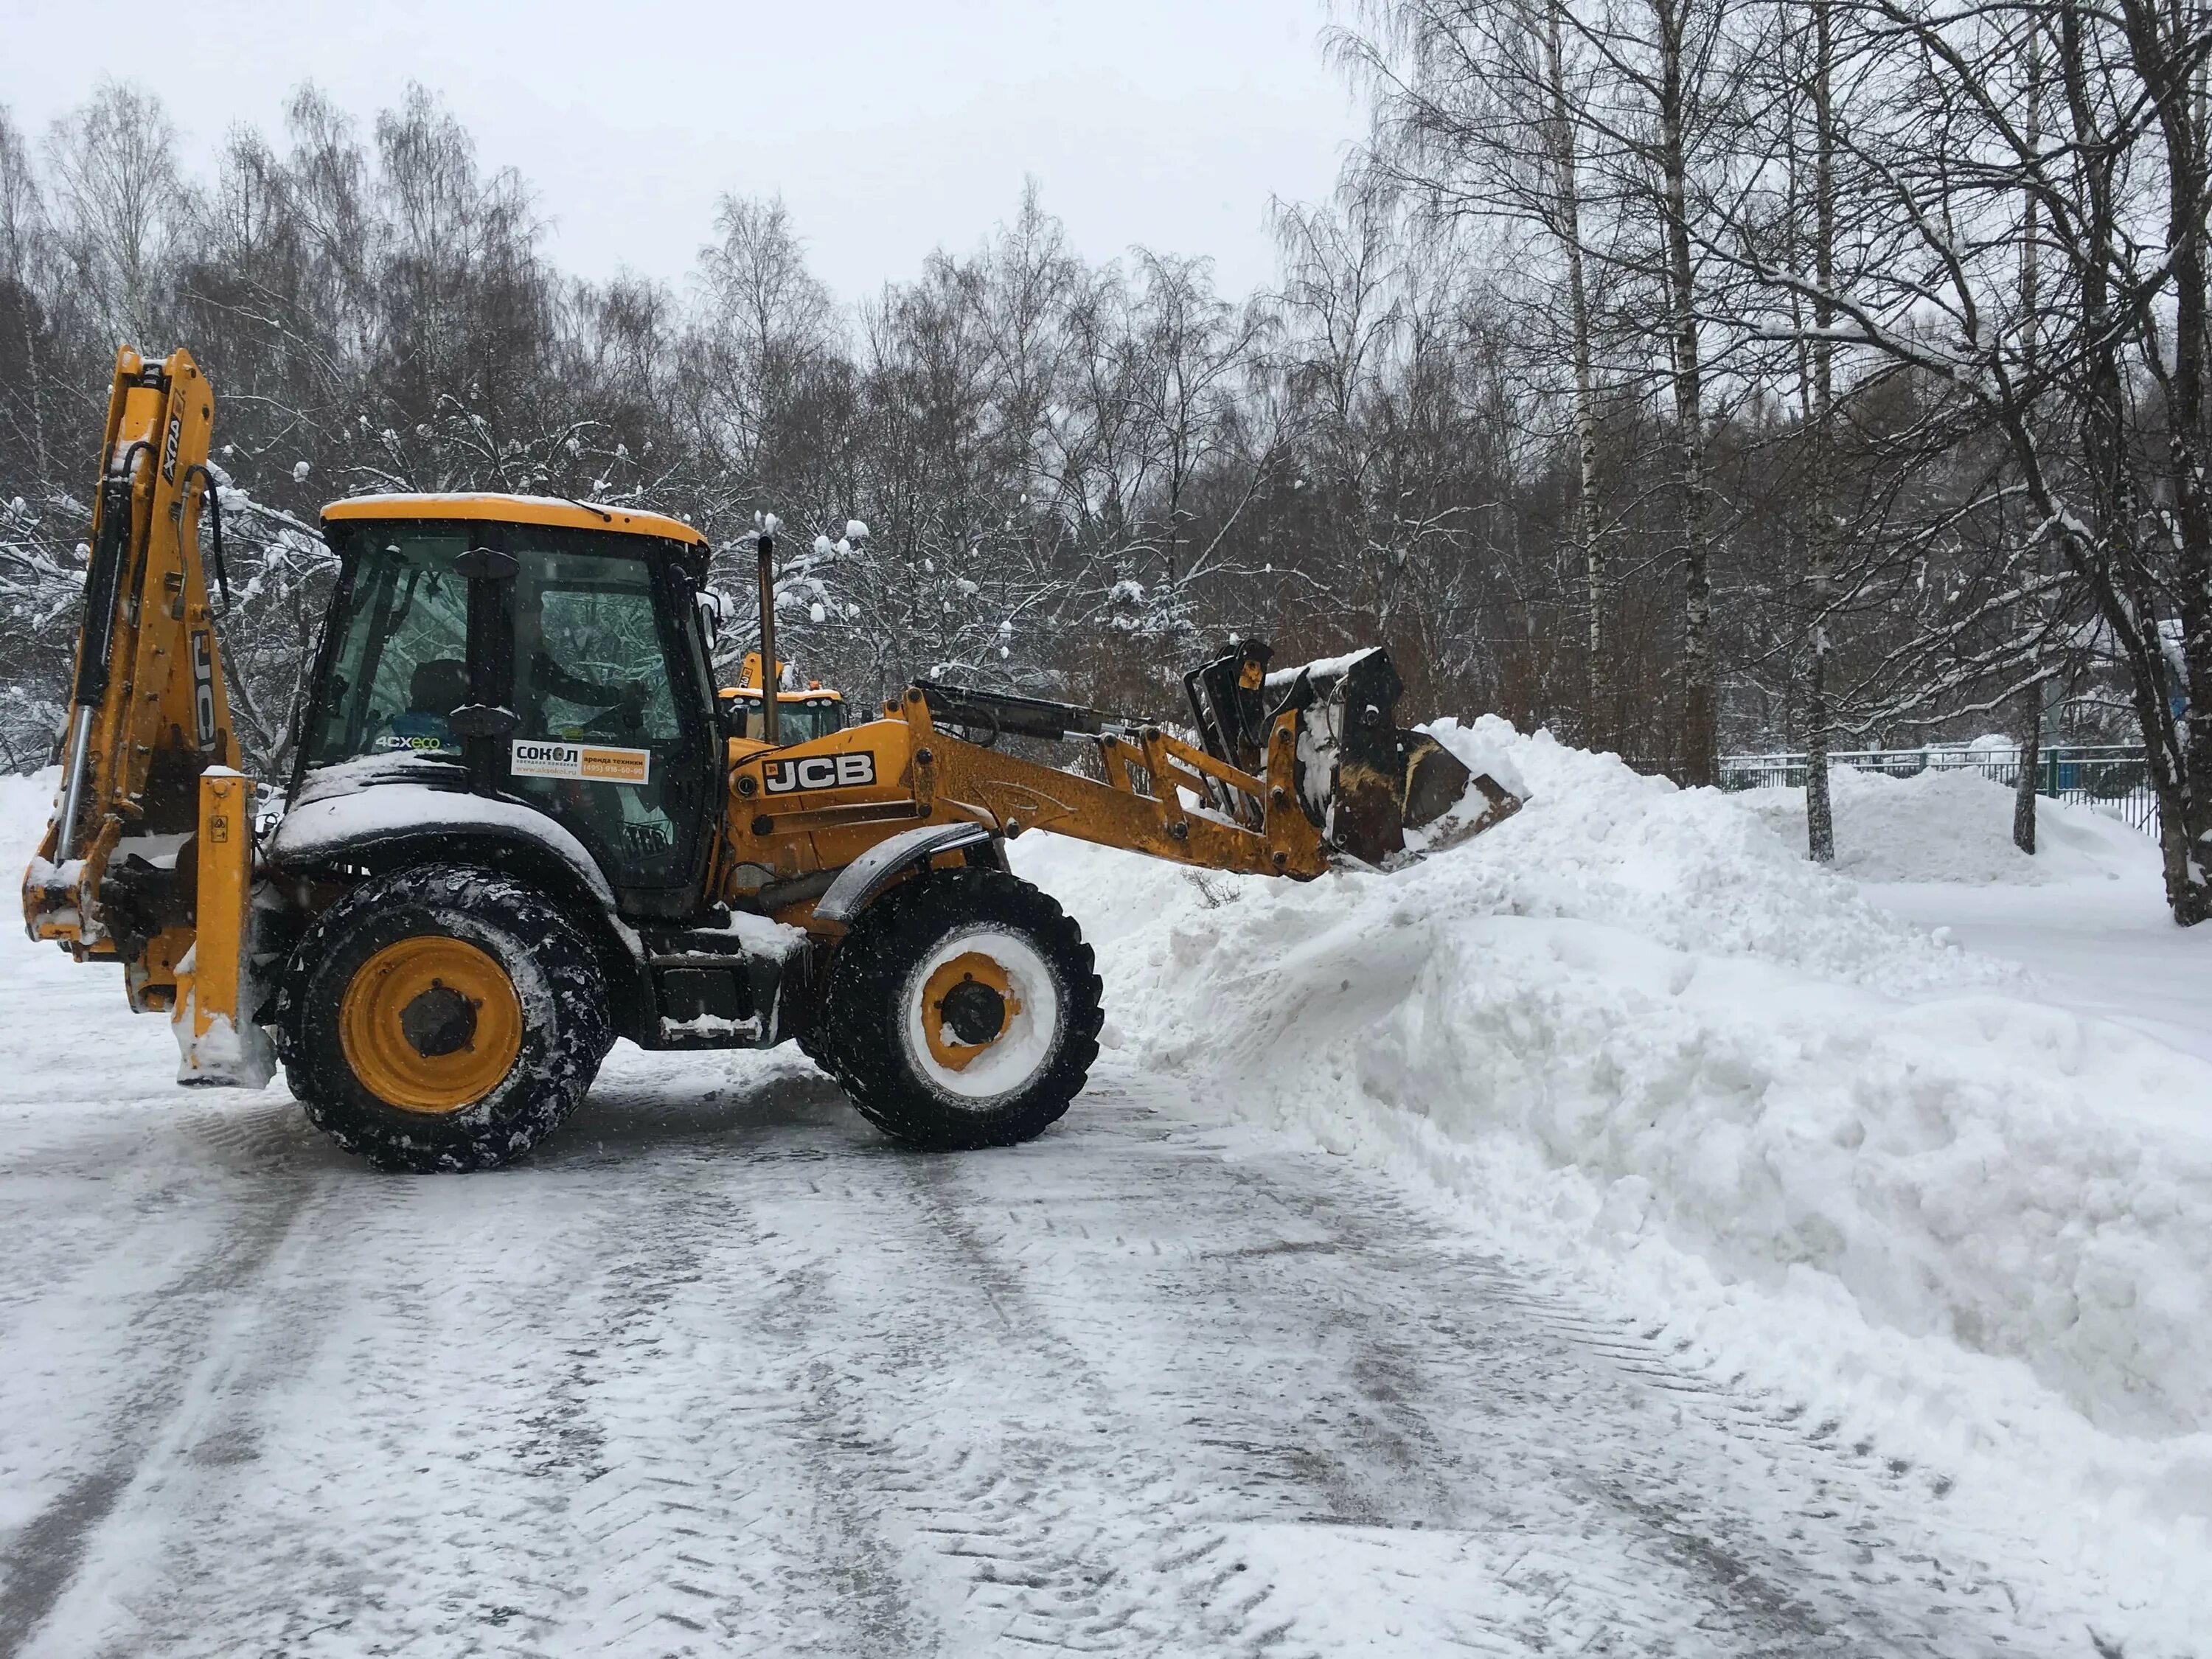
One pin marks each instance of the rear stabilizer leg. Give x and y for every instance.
(218, 1042)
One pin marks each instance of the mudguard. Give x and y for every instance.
(382, 812)
(886, 861)
(349, 813)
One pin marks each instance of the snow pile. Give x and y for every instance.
(1954, 824)
(1634, 1017)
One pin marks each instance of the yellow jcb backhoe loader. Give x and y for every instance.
(516, 828)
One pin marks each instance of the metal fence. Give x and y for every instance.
(2110, 776)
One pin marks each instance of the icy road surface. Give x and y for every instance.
(721, 1372)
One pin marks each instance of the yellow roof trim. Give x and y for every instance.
(515, 509)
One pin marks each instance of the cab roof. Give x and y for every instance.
(515, 509)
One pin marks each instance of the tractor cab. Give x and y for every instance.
(538, 651)
(801, 716)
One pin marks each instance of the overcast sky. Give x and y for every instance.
(889, 128)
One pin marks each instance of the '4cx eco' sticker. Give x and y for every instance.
(589, 763)
(818, 772)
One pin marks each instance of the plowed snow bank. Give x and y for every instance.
(1633, 1016)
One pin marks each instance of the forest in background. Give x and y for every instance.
(1682, 375)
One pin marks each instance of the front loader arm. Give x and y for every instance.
(1140, 806)
(149, 853)
(797, 815)
(1284, 785)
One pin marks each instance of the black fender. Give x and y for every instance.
(882, 864)
(386, 823)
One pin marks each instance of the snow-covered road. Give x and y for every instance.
(721, 1372)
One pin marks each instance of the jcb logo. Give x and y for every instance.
(202, 689)
(818, 772)
(169, 449)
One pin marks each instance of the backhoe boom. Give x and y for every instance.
(150, 850)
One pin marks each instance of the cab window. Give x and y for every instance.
(602, 744)
(401, 662)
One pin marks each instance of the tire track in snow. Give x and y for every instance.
(200, 1340)
(717, 1376)
(934, 1522)
(1073, 1523)
(1423, 1387)
(533, 1428)
(710, 1494)
(960, 1485)
(44, 1554)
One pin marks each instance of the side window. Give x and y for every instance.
(401, 667)
(597, 668)
(602, 745)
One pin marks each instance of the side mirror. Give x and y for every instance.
(715, 610)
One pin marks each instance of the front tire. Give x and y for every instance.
(441, 1017)
(962, 1011)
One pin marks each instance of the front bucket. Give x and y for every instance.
(1363, 782)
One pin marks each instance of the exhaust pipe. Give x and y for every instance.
(771, 681)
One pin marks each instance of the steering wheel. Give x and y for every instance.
(624, 720)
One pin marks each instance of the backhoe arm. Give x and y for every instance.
(150, 851)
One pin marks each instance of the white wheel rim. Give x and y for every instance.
(1025, 1045)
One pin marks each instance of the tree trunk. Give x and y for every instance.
(2165, 50)
(2115, 563)
(1820, 508)
(1598, 680)
(1698, 760)
(33, 385)
(2031, 294)
(2030, 761)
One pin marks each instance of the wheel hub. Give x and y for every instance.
(967, 1006)
(974, 1011)
(430, 1024)
(439, 1021)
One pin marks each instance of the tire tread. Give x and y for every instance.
(568, 1048)
(857, 1040)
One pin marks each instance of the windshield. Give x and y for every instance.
(401, 666)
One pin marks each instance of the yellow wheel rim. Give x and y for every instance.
(430, 1024)
(961, 978)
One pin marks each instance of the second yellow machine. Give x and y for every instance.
(517, 826)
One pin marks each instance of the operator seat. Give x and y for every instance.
(438, 686)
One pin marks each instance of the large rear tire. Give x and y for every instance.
(961, 1011)
(442, 1017)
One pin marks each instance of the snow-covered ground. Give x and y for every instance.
(2086, 915)
(1611, 1235)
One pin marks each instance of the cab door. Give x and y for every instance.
(615, 737)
